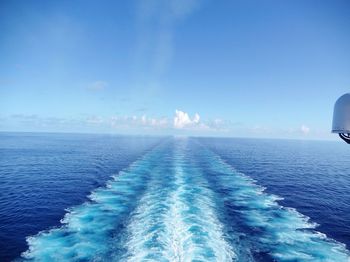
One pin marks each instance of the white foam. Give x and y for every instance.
(178, 232)
(86, 229)
(284, 231)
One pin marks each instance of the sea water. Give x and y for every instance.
(117, 198)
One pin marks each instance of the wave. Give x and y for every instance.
(90, 231)
(182, 202)
(274, 231)
(160, 208)
(176, 218)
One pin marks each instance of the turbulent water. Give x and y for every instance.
(182, 200)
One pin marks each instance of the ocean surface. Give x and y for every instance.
(70, 197)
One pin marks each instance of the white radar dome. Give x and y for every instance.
(341, 117)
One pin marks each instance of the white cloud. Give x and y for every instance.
(154, 122)
(304, 129)
(181, 123)
(183, 120)
(144, 119)
(196, 118)
(138, 122)
(94, 120)
(98, 85)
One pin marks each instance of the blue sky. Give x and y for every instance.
(220, 68)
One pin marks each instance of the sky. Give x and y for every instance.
(238, 68)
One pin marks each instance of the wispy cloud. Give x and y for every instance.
(33, 122)
(180, 123)
(137, 122)
(98, 85)
(158, 20)
(304, 129)
(95, 120)
(25, 117)
(141, 109)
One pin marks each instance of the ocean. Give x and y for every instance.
(80, 197)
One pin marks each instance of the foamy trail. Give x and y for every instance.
(275, 232)
(182, 202)
(90, 231)
(176, 219)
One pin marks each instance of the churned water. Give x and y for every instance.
(110, 198)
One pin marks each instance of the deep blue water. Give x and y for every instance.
(115, 198)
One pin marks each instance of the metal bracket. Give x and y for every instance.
(345, 137)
